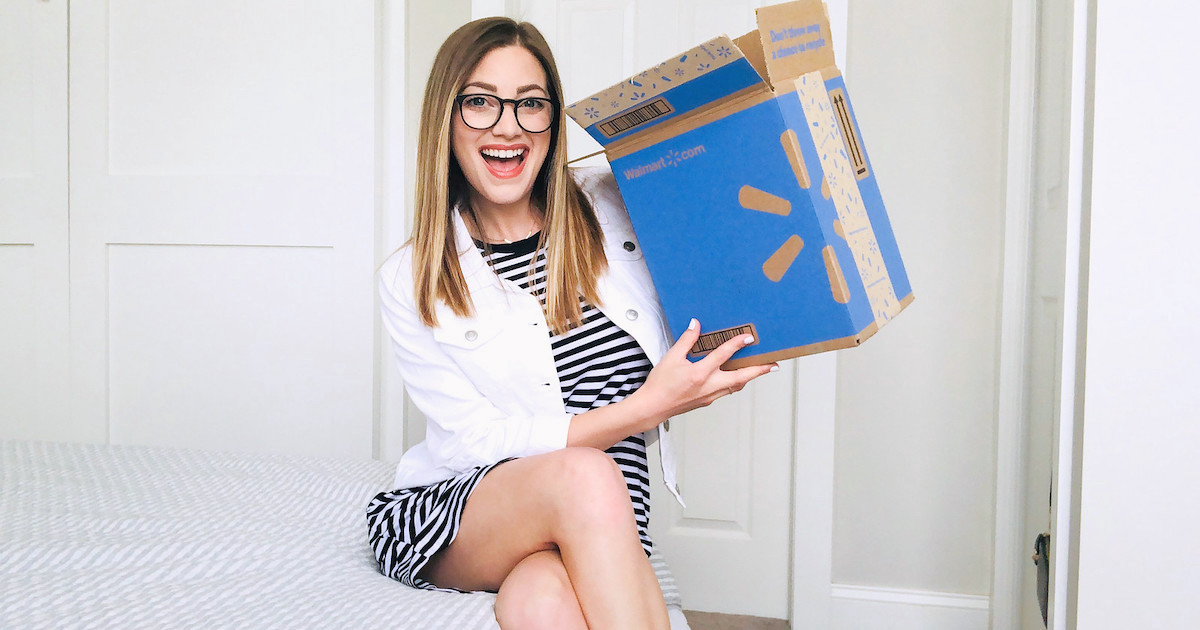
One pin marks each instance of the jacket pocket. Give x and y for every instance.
(466, 334)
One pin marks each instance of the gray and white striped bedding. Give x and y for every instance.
(140, 537)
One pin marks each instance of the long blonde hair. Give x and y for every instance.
(570, 232)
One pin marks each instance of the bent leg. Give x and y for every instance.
(537, 595)
(574, 501)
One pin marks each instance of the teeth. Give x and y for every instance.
(502, 153)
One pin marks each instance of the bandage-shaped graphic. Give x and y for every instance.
(782, 259)
(779, 262)
(837, 280)
(752, 198)
(843, 188)
(791, 146)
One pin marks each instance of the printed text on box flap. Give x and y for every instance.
(795, 39)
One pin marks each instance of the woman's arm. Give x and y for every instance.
(676, 385)
(471, 431)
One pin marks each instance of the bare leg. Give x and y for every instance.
(537, 595)
(573, 501)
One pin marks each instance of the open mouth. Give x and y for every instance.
(504, 163)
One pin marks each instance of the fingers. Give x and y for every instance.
(740, 377)
(747, 374)
(686, 340)
(722, 352)
(720, 355)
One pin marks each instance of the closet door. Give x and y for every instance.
(33, 219)
(222, 217)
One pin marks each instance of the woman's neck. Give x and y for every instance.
(502, 223)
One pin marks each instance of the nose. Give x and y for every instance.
(507, 126)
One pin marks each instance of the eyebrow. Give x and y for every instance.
(491, 88)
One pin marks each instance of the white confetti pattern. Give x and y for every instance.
(843, 189)
(644, 86)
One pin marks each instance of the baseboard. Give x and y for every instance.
(867, 608)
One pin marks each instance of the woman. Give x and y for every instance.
(529, 334)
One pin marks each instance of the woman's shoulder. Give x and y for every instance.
(395, 274)
(600, 186)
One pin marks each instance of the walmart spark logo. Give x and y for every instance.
(778, 263)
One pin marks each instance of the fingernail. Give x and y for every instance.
(774, 368)
(693, 324)
(747, 340)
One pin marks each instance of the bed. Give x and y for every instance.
(143, 537)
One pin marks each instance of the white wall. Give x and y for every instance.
(915, 472)
(1139, 555)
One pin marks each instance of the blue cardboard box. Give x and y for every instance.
(751, 191)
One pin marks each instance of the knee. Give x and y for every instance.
(588, 483)
(538, 600)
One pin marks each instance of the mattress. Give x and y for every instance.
(141, 537)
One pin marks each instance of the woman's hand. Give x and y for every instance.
(676, 385)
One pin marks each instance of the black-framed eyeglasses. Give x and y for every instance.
(482, 111)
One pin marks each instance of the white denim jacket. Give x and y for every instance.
(487, 383)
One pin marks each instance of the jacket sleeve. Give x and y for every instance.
(465, 429)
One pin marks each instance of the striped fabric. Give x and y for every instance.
(407, 527)
(138, 537)
(597, 362)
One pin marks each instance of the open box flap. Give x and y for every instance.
(681, 84)
(795, 40)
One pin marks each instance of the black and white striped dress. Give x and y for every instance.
(597, 362)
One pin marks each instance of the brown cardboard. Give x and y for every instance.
(754, 134)
(777, 36)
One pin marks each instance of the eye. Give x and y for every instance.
(477, 102)
(534, 104)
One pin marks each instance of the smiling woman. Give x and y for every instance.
(529, 334)
(498, 155)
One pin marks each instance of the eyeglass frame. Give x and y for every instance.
(458, 100)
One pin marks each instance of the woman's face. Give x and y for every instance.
(501, 163)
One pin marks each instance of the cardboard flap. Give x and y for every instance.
(685, 82)
(795, 39)
(751, 45)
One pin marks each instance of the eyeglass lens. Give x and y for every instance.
(482, 111)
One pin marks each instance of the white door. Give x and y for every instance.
(729, 549)
(222, 224)
(33, 219)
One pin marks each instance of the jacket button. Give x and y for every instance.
(631, 314)
(629, 246)
(471, 335)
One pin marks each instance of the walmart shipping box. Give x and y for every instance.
(750, 189)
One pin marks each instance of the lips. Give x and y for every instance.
(504, 162)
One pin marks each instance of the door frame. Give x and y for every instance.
(1012, 404)
(1068, 431)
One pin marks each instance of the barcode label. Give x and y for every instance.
(633, 118)
(709, 341)
(853, 144)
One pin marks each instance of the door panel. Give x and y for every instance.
(729, 549)
(33, 219)
(222, 224)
